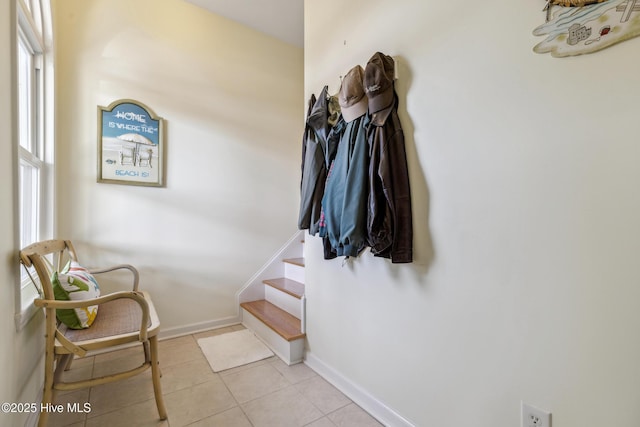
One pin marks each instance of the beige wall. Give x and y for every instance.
(20, 353)
(233, 104)
(232, 100)
(524, 178)
(8, 241)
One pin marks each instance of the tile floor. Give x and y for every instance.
(263, 394)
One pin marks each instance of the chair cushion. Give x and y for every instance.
(75, 283)
(117, 317)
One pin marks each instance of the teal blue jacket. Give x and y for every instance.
(344, 204)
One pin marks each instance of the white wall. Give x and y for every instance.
(524, 174)
(232, 100)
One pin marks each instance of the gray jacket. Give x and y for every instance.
(317, 152)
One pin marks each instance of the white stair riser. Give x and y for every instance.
(294, 272)
(283, 300)
(291, 352)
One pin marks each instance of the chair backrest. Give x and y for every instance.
(146, 154)
(128, 151)
(44, 254)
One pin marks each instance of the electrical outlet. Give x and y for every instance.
(534, 417)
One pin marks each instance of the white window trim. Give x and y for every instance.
(37, 31)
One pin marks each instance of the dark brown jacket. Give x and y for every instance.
(390, 226)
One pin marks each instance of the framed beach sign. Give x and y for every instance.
(130, 144)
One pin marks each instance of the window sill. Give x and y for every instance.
(25, 316)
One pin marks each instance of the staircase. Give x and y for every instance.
(273, 303)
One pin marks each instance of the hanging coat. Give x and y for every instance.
(317, 153)
(314, 171)
(345, 198)
(390, 226)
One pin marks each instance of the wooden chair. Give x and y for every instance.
(123, 318)
(128, 155)
(144, 157)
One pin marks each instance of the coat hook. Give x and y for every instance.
(395, 68)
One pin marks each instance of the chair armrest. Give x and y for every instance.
(136, 275)
(136, 296)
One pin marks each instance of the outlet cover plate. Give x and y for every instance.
(534, 417)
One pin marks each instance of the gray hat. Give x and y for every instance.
(378, 81)
(353, 100)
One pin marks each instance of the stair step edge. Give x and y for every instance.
(295, 261)
(278, 320)
(288, 286)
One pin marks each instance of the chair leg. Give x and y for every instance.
(155, 374)
(66, 368)
(47, 393)
(147, 355)
(63, 364)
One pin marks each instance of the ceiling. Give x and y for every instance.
(282, 19)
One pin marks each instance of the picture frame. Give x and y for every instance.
(131, 144)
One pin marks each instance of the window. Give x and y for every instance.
(34, 146)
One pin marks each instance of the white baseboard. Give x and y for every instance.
(353, 391)
(194, 328)
(179, 331)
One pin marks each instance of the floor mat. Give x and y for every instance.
(233, 349)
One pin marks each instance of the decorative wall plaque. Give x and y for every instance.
(130, 144)
(576, 27)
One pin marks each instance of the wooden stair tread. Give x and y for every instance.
(295, 261)
(281, 322)
(291, 287)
